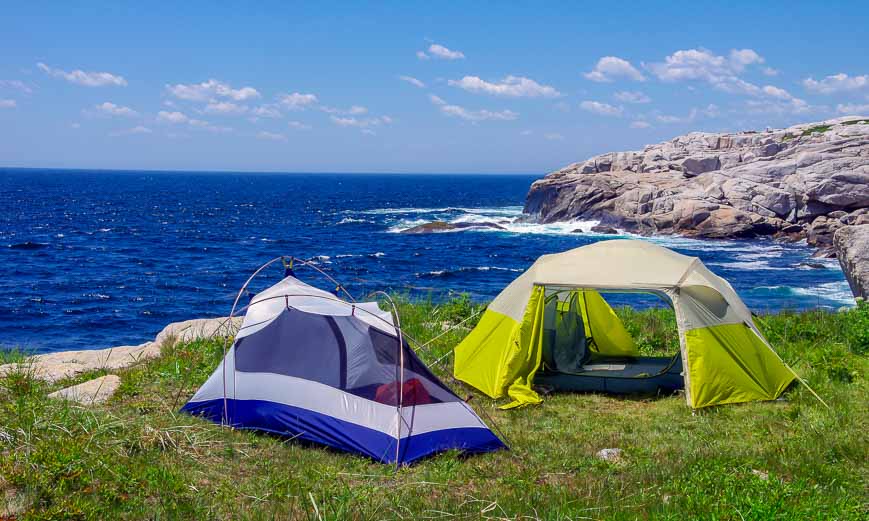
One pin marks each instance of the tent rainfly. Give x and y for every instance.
(309, 365)
(552, 316)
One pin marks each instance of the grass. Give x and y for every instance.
(136, 458)
(856, 122)
(820, 129)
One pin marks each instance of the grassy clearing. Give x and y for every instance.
(820, 129)
(135, 457)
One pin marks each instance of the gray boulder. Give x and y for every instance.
(852, 249)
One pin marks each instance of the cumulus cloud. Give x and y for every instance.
(298, 125)
(172, 117)
(80, 77)
(702, 65)
(297, 101)
(741, 58)
(224, 107)
(610, 68)
(710, 111)
(16, 85)
(601, 109)
(271, 136)
(422, 55)
(266, 111)
(440, 52)
(852, 108)
(8, 104)
(110, 109)
(207, 90)
(836, 83)
(511, 86)
(632, 97)
(413, 81)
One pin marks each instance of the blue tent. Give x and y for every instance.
(309, 365)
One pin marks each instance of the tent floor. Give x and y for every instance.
(618, 376)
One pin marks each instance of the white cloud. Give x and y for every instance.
(369, 132)
(609, 68)
(360, 123)
(553, 136)
(437, 100)
(8, 104)
(16, 85)
(111, 109)
(640, 124)
(224, 107)
(297, 100)
(271, 136)
(413, 81)
(741, 58)
(355, 110)
(632, 97)
(133, 131)
(441, 52)
(172, 117)
(836, 83)
(562, 106)
(207, 90)
(266, 111)
(421, 55)
(80, 77)
(602, 109)
(852, 108)
(769, 71)
(298, 125)
(472, 115)
(511, 86)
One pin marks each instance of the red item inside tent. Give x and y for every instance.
(413, 393)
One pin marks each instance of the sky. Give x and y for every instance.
(447, 87)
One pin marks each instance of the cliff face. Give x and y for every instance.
(805, 181)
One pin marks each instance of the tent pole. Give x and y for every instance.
(400, 382)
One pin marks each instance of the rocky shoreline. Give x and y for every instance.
(805, 182)
(53, 367)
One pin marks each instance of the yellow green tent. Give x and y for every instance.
(724, 357)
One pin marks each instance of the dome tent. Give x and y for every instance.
(724, 358)
(307, 364)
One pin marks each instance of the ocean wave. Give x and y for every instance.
(836, 292)
(748, 265)
(352, 220)
(458, 271)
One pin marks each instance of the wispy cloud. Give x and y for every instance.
(853, 108)
(632, 97)
(610, 68)
(413, 81)
(207, 90)
(360, 122)
(174, 117)
(841, 82)
(601, 109)
(80, 77)
(298, 125)
(132, 131)
(297, 101)
(355, 110)
(16, 85)
(511, 86)
(267, 111)
(640, 124)
(472, 115)
(8, 104)
(271, 136)
(553, 136)
(110, 109)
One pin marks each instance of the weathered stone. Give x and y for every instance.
(852, 248)
(91, 392)
(747, 184)
(443, 226)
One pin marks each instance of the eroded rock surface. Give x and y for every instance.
(805, 181)
(852, 249)
(91, 392)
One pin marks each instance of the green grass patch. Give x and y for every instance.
(857, 122)
(820, 129)
(136, 458)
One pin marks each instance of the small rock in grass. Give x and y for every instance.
(91, 392)
(761, 474)
(610, 454)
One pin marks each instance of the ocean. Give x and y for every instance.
(93, 259)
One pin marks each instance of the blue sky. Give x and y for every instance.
(410, 87)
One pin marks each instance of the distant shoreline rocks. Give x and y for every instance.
(443, 226)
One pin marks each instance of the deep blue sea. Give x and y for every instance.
(98, 259)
